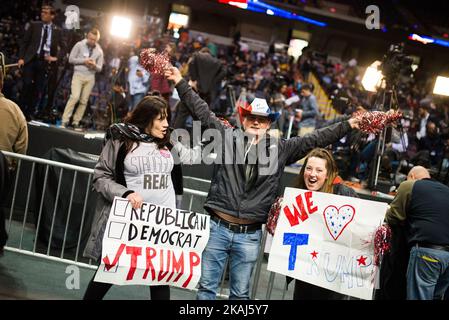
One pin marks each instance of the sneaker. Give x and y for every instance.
(63, 125)
(77, 127)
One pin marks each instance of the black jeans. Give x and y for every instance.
(97, 291)
(51, 86)
(34, 76)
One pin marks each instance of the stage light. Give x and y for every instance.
(426, 40)
(242, 4)
(121, 27)
(177, 20)
(423, 40)
(441, 86)
(372, 78)
(296, 46)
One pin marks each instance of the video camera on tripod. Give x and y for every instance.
(396, 67)
(396, 63)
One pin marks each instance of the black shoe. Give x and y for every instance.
(2, 252)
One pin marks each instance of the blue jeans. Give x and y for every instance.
(135, 99)
(242, 250)
(427, 274)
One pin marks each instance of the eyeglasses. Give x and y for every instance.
(260, 119)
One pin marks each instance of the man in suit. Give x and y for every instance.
(38, 55)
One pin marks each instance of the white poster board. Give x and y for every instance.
(326, 240)
(153, 245)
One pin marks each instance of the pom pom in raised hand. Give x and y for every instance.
(154, 62)
(375, 121)
(382, 238)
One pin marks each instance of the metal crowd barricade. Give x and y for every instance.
(23, 235)
(25, 228)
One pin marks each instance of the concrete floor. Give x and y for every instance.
(24, 276)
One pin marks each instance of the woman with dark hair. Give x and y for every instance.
(135, 152)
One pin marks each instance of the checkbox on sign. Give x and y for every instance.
(120, 207)
(112, 270)
(116, 230)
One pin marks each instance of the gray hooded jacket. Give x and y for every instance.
(104, 182)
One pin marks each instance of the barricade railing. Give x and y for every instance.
(24, 226)
(20, 228)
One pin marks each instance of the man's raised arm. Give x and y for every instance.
(193, 102)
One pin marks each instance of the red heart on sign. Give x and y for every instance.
(337, 219)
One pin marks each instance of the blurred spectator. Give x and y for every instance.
(138, 81)
(13, 131)
(420, 207)
(38, 56)
(117, 102)
(13, 138)
(430, 147)
(212, 47)
(308, 112)
(87, 58)
(208, 72)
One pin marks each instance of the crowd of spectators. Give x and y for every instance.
(273, 75)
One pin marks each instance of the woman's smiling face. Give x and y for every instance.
(315, 173)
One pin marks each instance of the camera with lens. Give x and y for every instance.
(396, 63)
(276, 84)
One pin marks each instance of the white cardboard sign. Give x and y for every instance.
(326, 240)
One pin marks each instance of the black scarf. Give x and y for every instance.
(127, 130)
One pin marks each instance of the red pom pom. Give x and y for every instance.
(382, 245)
(153, 62)
(273, 215)
(226, 122)
(376, 121)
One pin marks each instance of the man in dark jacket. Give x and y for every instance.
(422, 204)
(207, 72)
(244, 185)
(38, 55)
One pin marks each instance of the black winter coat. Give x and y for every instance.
(233, 190)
